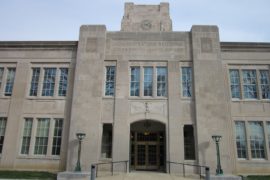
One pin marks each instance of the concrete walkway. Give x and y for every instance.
(145, 176)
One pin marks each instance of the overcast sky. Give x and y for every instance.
(238, 20)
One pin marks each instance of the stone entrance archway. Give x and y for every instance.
(147, 146)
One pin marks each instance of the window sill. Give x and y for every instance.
(39, 157)
(5, 97)
(108, 97)
(147, 98)
(253, 161)
(251, 100)
(45, 98)
(105, 159)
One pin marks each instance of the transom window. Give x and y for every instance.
(49, 81)
(148, 81)
(249, 83)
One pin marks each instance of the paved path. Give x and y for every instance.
(145, 176)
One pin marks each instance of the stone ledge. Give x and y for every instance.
(68, 175)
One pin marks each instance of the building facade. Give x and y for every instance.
(146, 94)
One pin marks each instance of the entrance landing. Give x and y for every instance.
(146, 176)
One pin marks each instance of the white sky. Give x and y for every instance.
(238, 20)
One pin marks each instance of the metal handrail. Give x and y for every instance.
(112, 163)
(186, 164)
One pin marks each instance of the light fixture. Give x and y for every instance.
(80, 137)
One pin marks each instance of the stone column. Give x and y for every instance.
(212, 109)
(12, 140)
(175, 139)
(87, 96)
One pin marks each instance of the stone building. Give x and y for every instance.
(146, 94)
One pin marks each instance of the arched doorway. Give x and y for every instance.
(147, 145)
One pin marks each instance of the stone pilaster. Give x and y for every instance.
(212, 110)
(121, 129)
(175, 129)
(87, 96)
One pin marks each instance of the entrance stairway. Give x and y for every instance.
(141, 175)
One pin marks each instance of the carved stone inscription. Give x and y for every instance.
(147, 47)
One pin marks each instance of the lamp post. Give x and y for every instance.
(80, 137)
(217, 138)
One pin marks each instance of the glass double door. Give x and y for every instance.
(147, 151)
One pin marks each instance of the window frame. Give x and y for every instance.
(49, 149)
(41, 80)
(240, 69)
(142, 65)
(266, 132)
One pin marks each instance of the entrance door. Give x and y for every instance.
(147, 150)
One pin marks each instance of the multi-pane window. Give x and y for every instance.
(34, 81)
(3, 123)
(49, 81)
(106, 149)
(189, 142)
(26, 139)
(110, 81)
(1, 76)
(256, 138)
(250, 84)
(235, 83)
(265, 86)
(135, 81)
(161, 81)
(148, 81)
(63, 82)
(42, 135)
(10, 81)
(240, 137)
(57, 136)
(186, 82)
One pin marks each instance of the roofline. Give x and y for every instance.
(245, 46)
(38, 44)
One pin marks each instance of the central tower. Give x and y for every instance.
(143, 18)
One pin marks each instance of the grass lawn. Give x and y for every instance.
(258, 177)
(27, 175)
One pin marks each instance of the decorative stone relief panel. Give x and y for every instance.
(206, 45)
(148, 108)
(91, 45)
